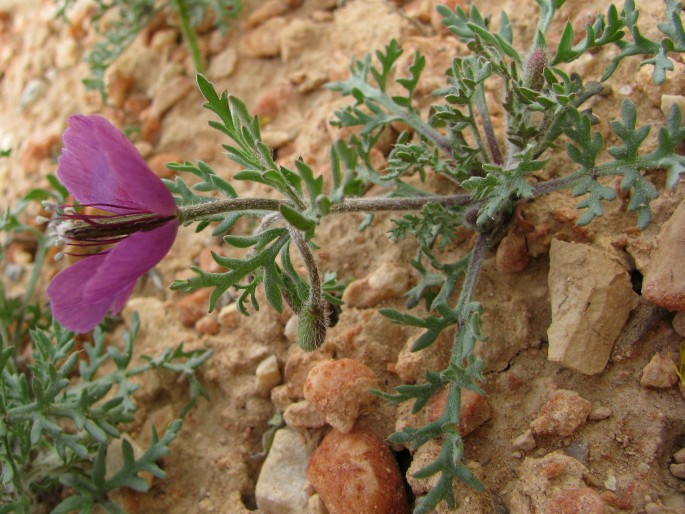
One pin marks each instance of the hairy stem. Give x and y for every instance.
(189, 35)
(310, 264)
(471, 277)
(196, 212)
(491, 138)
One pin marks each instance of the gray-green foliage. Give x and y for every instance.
(545, 109)
(59, 414)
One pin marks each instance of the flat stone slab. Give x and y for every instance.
(591, 297)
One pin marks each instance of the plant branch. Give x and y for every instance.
(192, 213)
(189, 35)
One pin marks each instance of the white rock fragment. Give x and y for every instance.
(591, 297)
(32, 92)
(599, 412)
(287, 458)
(388, 281)
(267, 375)
(525, 441)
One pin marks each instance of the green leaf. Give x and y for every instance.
(296, 218)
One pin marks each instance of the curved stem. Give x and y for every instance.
(310, 264)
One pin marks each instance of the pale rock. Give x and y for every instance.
(381, 24)
(599, 413)
(668, 101)
(664, 278)
(659, 373)
(264, 40)
(268, 9)
(229, 317)
(223, 65)
(564, 413)
(677, 470)
(299, 35)
(541, 479)
(411, 366)
(387, 281)
(303, 415)
(339, 390)
(679, 456)
(591, 297)
(267, 375)
(355, 472)
(316, 505)
(525, 442)
(66, 53)
(169, 92)
(287, 457)
(290, 329)
(33, 91)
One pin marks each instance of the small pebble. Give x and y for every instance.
(679, 456)
(192, 307)
(678, 470)
(599, 412)
(525, 441)
(388, 281)
(659, 373)
(208, 325)
(229, 317)
(564, 413)
(267, 375)
(679, 323)
(302, 415)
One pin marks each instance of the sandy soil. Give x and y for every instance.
(276, 58)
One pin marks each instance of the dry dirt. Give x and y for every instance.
(276, 58)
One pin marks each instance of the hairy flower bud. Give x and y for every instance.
(311, 326)
(534, 76)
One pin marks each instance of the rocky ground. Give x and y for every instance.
(594, 426)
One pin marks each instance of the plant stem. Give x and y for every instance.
(189, 35)
(310, 264)
(491, 138)
(471, 276)
(196, 212)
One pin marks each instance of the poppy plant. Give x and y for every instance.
(102, 169)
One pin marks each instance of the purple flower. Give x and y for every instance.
(102, 169)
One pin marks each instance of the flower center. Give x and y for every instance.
(80, 229)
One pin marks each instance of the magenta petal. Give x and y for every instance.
(82, 294)
(131, 258)
(99, 165)
(66, 293)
